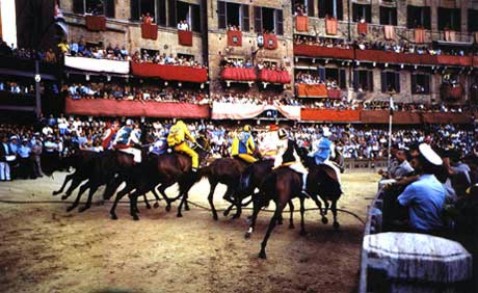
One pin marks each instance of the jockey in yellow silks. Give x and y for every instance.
(243, 145)
(178, 134)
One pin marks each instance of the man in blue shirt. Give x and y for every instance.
(425, 197)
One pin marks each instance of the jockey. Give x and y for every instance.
(126, 138)
(178, 134)
(325, 151)
(243, 145)
(287, 156)
(268, 143)
(109, 135)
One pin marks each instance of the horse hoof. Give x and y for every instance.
(148, 207)
(64, 197)
(82, 209)
(215, 218)
(114, 217)
(325, 220)
(336, 225)
(179, 215)
(156, 205)
(226, 213)
(55, 193)
(135, 218)
(186, 208)
(168, 208)
(247, 235)
(69, 209)
(262, 255)
(291, 226)
(236, 216)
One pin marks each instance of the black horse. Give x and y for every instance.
(281, 185)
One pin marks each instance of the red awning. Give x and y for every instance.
(185, 38)
(301, 23)
(311, 90)
(454, 60)
(330, 115)
(169, 72)
(95, 22)
(106, 107)
(319, 51)
(239, 74)
(149, 31)
(234, 38)
(274, 76)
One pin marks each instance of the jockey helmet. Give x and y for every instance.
(247, 128)
(282, 133)
(273, 127)
(129, 122)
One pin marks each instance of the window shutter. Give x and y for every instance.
(78, 6)
(310, 8)
(426, 17)
(221, 14)
(279, 25)
(340, 9)
(370, 80)
(161, 7)
(134, 10)
(110, 8)
(414, 83)
(173, 22)
(384, 82)
(342, 79)
(258, 19)
(321, 71)
(411, 17)
(356, 80)
(245, 18)
(196, 18)
(322, 8)
(397, 82)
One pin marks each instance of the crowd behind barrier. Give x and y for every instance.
(60, 134)
(48, 56)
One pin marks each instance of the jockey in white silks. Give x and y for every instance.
(287, 156)
(126, 138)
(268, 143)
(325, 151)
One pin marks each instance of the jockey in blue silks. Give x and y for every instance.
(325, 151)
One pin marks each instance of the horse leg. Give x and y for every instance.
(146, 202)
(210, 199)
(333, 208)
(316, 199)
(257, 205)
(78, 197)
(291, 219)
(118, 197)
(76, 181)
(133, 209)
(156, 196)
(162, 189)
(272, 224)
(111, 187)
(302, 211)
(93, 189)
(68, 178)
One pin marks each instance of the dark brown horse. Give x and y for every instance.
(281, 186)
(166, 170)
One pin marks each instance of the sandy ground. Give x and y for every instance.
(45, 249)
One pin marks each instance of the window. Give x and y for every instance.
(362, 12)
(418, 17)
(333, 74)
(268, 19)
(472, 25)
(307, 5)
(182, 11)
(233, 14)
(420, 84)
(155, 8)
(388, 15)
(449, 19)
(363, 79)
(95, 7)
(390, 81)
(333, 8)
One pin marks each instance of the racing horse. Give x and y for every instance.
(165, 169)
(281, 186)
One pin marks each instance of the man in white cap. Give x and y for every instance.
(126, 138)
(425, 197)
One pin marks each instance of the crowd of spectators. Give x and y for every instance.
(60, 134)
(48, 56)
(135, 93)
(17, 87)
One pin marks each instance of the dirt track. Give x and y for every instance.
(45, 249)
